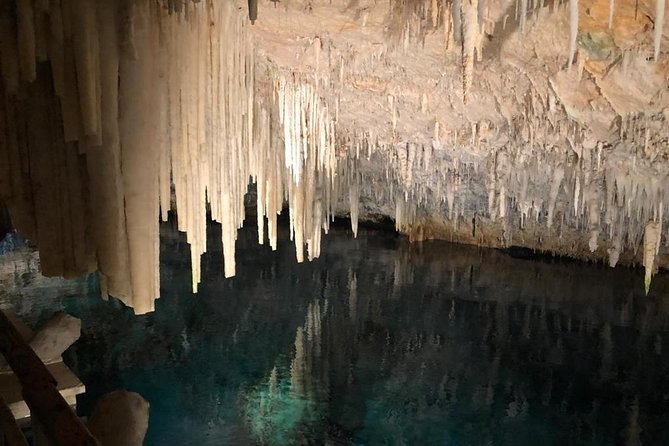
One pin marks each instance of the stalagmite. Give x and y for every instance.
(659, 27)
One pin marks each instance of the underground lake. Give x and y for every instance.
(379, 341)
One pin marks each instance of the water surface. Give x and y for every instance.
(381, 342)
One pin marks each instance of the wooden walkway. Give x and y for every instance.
(45, 393)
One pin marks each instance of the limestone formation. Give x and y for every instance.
(497, 122)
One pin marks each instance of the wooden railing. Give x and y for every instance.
(48, 408)
(9, 428)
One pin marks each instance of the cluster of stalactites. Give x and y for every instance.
(462, 21)
(581, 188)
(92, 101)
(153, 98)
(468, 21)
(207, 102)
(310, 161)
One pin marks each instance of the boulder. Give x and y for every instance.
(120, 418)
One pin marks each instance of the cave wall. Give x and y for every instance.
(499, 123)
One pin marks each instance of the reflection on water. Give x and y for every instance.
(382, 342)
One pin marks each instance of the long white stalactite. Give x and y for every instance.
(659, 27)
(573, 30)
(155, 99)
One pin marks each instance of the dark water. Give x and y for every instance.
(381, 342)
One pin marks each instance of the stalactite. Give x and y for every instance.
(651, 245)
(573, 30)
(523, 15)
(354, 198)
(309, 159)
(470, 31)
(448, 23)
(8, 49)
(104, 164)
(26, 40)
(556, 182)
(139, 160)
(612, 5)
(659, 27)
(456, 17)
(87, 62)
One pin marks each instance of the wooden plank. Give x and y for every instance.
(47, 405)
(39, 437)
(68, 384)
(25, 331)
(9, 428)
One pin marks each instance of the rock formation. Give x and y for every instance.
(120, 418)
(52, 339)
(494, 122)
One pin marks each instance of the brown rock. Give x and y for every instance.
(120, 418)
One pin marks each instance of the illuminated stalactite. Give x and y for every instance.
(119, 131)
(659, 27)
(573, 29)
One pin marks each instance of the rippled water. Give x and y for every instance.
(382, 342)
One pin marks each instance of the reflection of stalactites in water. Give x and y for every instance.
(273, 382)
(352, 295)
(527, 321)
(606, 369)
(184, 340)
(547, 392)
(518, 407)
(298, 364)
(632, 432)
(307, 353)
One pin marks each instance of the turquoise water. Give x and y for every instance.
(380, 342)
